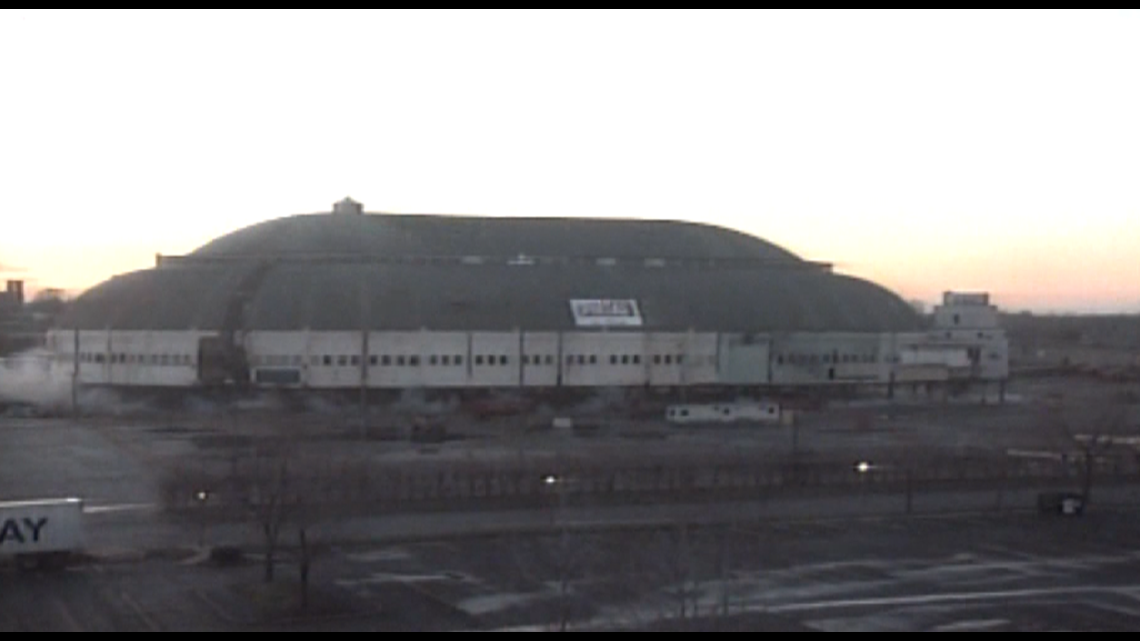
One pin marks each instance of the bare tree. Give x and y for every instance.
(675, 558)
(268, 496)
(1089, 433)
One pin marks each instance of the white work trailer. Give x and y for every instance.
(41, 532)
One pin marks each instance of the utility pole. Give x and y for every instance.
(364, 355)
(75, 376)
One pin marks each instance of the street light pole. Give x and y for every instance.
(201, 497)
(559, 484)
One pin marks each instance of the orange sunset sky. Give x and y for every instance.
(924, 150)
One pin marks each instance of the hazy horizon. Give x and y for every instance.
(923, 150)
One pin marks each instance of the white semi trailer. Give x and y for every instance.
(41, 533)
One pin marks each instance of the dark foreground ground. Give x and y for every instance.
(972, 556)
(1012, 572)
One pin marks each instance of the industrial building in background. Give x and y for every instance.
(350, 300)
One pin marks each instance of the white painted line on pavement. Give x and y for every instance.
(960, 597)
(122, 507)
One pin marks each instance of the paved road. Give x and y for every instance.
(141, 527)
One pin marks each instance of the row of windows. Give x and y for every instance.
(814, 359)
(446, 360)
(161, 360)
(980, 335)
(385, 360)
(479, 360)
(627, 359)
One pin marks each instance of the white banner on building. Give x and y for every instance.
(606, 313)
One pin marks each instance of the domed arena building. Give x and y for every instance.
(351, 300)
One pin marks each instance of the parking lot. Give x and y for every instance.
(823, 562)
(985, 572)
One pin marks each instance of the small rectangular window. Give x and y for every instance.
(656, 359)
(433, 360)
(342, 361)
(637, 359)
(478, 359)
(458, 360)
(385, 360)
(581, 359)
(593, 359)
(613, 359)
(373, 360)
(668, 359)
(400, 360)
(503, 360)
(414, 361)
(625, 359)
(356, 361)
(445, 359)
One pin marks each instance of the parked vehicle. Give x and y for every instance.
(1062, 503)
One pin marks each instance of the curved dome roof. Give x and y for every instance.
(393, 235)
(310, 271)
